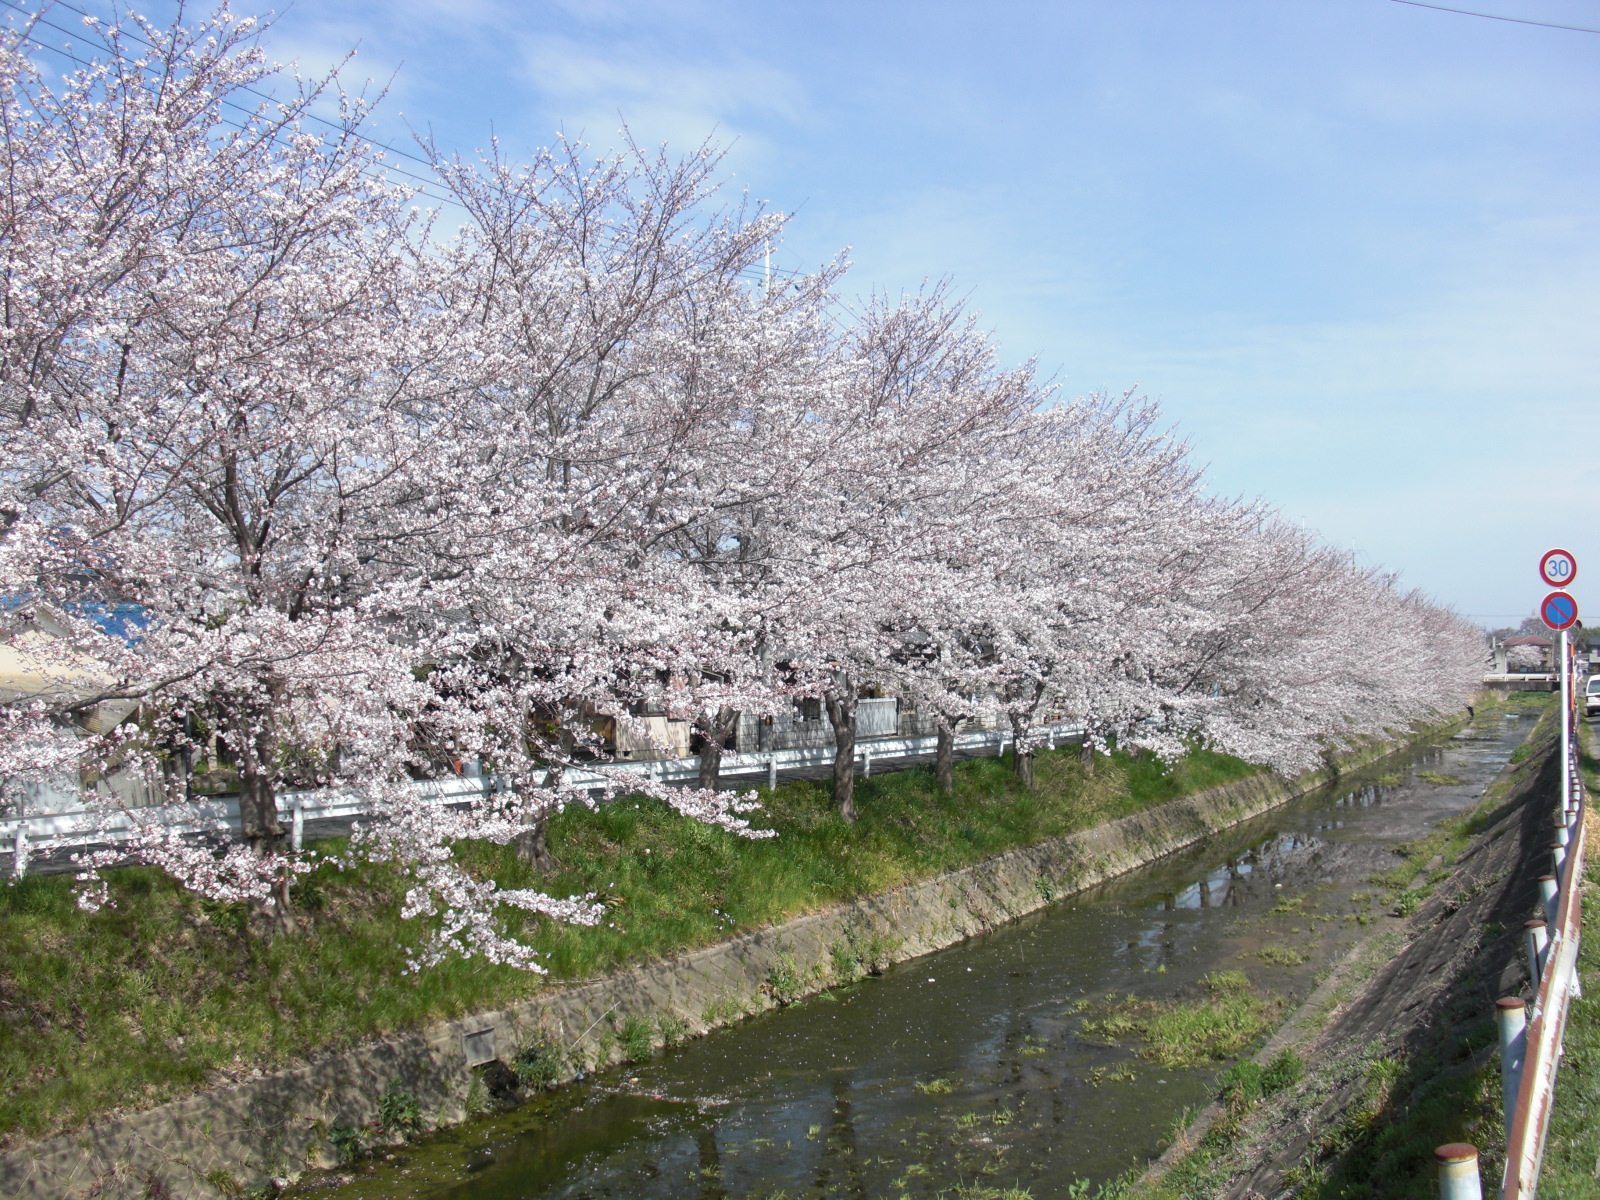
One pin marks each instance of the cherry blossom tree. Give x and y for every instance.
(1524, 658)
(383, 500)
(216, 391)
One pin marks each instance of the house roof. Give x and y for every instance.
(1527, 640)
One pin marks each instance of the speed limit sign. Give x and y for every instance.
(1558, 568)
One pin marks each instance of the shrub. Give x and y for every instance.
(784, 982)
(399, 1112)
(539, 1064)
(636, 1038)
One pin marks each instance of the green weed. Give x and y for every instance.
(1100, 1075)
(1248, 1082)
(539, 1064)
(673, 1029)
(1221, 1024)
(1282, 956)
(398, 1111)
(636, 1038)
(860, 952)
(348, 1144)
(784, 982)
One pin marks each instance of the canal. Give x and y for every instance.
(969, 1072)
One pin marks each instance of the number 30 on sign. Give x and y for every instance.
(1558, 568)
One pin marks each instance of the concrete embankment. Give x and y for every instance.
(1398, 1042)
(246, 1135)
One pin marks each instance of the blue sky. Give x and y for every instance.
(1352, 245)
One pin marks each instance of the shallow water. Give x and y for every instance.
(822, 1098)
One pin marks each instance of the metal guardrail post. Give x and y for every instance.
(19, 850)
(1538, 950)
(297, 835)
(1458, 1172)
(1549, 896)
(772, 771)
(1558, 856)
(1511, 1018)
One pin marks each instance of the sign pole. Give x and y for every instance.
(1559, 611)
(1566, 726)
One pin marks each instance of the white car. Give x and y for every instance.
(1591, 696)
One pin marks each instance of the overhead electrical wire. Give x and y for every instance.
(1465, 12)
(268, 96)
(67, 54)
(380, 173)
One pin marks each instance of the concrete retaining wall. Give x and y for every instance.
(240, 1138)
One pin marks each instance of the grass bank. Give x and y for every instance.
(163, 992)
(1572, 1150)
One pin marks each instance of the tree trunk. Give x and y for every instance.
(531, 848)
(1086, 756)
(944, 757)
(258, 799)
(842, 715)
(530, 843)
(712, 740)
(1022, 752)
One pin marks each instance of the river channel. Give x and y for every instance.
(966, 1072)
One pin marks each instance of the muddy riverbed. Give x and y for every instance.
(967, 1072)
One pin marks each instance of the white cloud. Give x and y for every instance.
(661, 99)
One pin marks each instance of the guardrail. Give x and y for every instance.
(1530, 1056)
(48, 833)
(1530, 1039)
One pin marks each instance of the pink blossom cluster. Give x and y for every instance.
(1524, 658)
(377, 499)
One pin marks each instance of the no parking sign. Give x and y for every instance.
(1559, 611)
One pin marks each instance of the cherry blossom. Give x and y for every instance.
(295, 478)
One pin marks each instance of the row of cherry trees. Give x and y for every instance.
(384, 495)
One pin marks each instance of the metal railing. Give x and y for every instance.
(1530, 1038)
(79, 827)
(1531, 1054)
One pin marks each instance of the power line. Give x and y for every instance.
(99, 43)
(69, 56)
(268, 96)
(1497, 17)
(39, 19)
